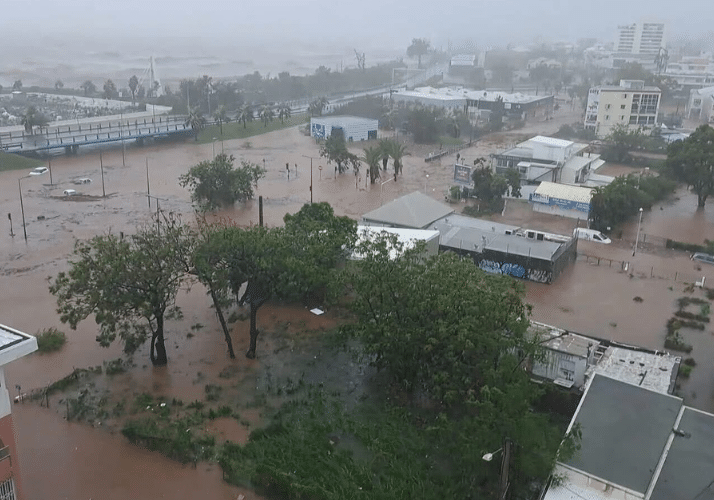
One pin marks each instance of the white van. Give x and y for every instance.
(591, 235)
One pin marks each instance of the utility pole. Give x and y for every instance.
(22, 207)
(49, 165)
(505, 466)
(311, 158)
(101, 166)
(148, 187)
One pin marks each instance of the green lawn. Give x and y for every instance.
(16, 162)
(236, 130)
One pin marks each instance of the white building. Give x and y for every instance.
(692, 72)
(701, 105)
(641, 38)
(353, 127)
(406, 239)
(562, 199)
(556, 160)
(630, 103)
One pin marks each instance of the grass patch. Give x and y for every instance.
(9, 161)
(447, 140)
(177, 439)
(50, 340)
(235, 130)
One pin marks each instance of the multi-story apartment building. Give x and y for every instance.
(640, 43)
(641, 38)
(631, 104)
(13, 345)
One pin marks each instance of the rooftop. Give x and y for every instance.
(624, 429)
(407, 237)
(551, 141)
(656, 372)
(343, 119)
(475, 95)
(564, 192)
(415, 210)
(15, 344)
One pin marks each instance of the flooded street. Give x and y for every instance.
(70, 460)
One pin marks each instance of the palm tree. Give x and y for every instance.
(245, 115)
(133, 87)
(372, 157)
(317, 106)
(384, 148)
(221, 116)
(266, 114)
(397, 152)
(283, 112)
(196, 120)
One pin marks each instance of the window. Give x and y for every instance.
(624, 96)
(607, 107)
(622, 106)
(607, 117)
(7, 490)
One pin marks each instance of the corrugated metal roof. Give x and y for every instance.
(415, 210)
(564, 192)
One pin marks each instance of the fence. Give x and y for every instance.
(639, 270)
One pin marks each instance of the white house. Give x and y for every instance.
(562, 199)
(353, 127)
(701, 105)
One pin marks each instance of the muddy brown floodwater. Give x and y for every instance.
(76, 461)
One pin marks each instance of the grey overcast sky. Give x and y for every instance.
(367, 22)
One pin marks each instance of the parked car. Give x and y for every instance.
(703, 257)
(591, 235)
(69, 192)
(82, 180)
(39, 170)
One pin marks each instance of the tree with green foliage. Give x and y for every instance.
(335, 150)
(17, 85)
(283, 112)
(418, 48)
(317, 106)
(295, 262)
(215, 184)
(372, 157)
(33, 118)
(422, 125)
(613, 204)
(110, 90)
(245, 115)
(621, 141)
(196, 121)
(59, 84)
(396, 151)
(220, 115)
(448, 333)
(490, 187)
(133, 87)
(692, 161)
(128, 283)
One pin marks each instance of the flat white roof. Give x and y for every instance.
(651, 371)
(564, 192)
(552, 141)
(14, 344)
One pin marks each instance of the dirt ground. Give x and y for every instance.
(69, 460)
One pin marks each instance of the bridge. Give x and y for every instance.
(106, 130)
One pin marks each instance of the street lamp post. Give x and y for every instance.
(426, 182)
(22, 207)
(213, 146)
(637, 239)
(311, 158)
(381, 189)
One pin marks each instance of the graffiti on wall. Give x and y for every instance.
(515, 270)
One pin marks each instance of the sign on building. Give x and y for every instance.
(462, 175)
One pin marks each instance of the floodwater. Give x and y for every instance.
(69, 460)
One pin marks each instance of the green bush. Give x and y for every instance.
(687, 247)
(50, 340)
(685, 370)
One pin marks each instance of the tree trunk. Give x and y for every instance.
(157, 340)
(222, 320)
(701, 200)
(253, 330)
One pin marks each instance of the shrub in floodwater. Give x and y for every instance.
(685, 371)
(50, 340)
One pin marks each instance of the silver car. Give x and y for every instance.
(703, 257)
